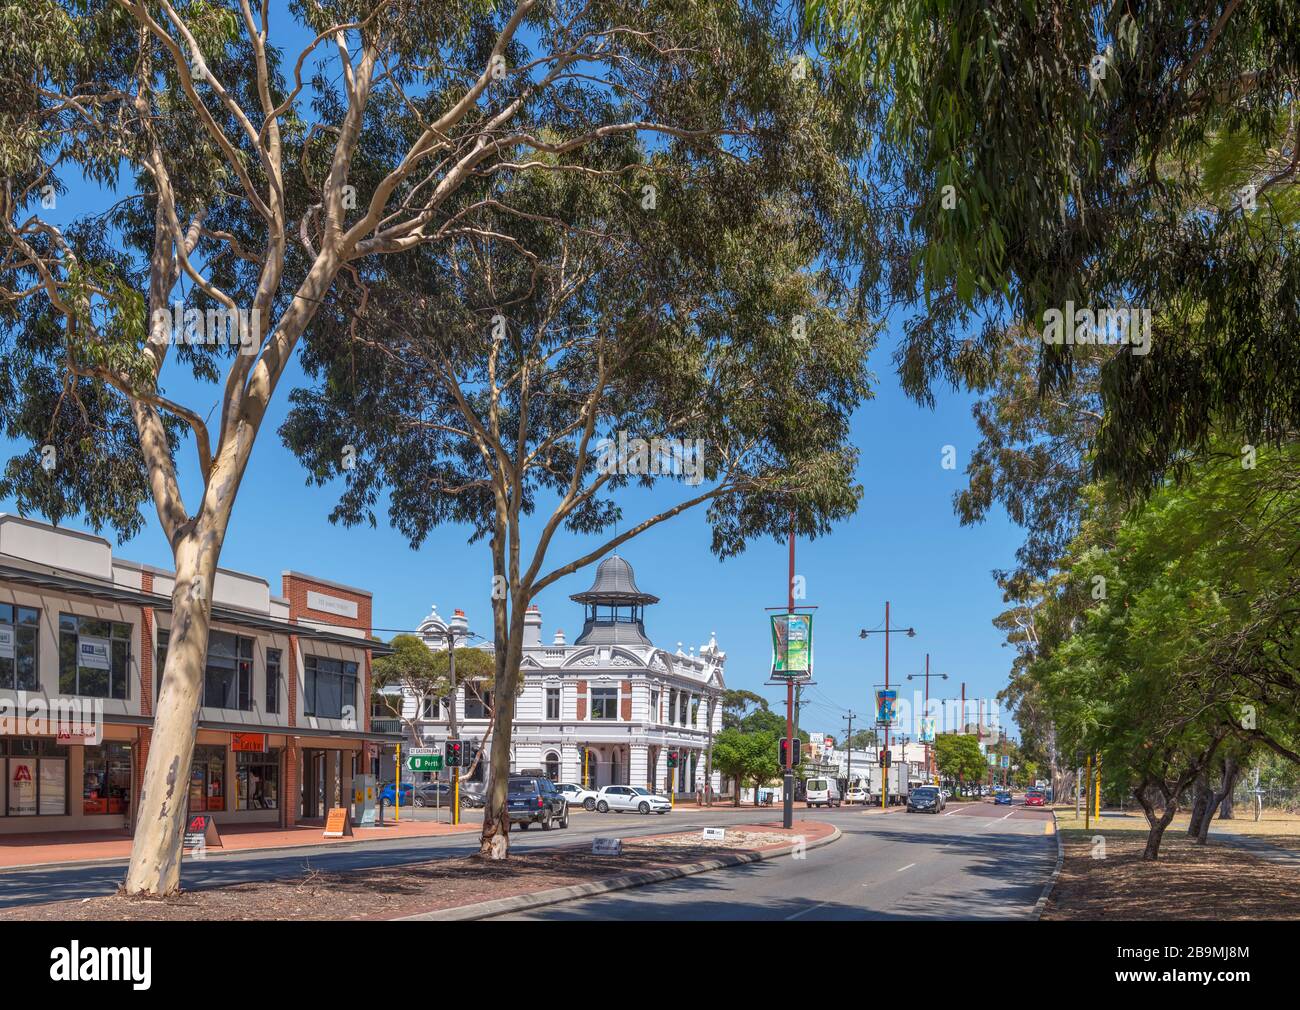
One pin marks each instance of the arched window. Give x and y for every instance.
(553, 766)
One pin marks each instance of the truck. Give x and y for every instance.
(898, 783)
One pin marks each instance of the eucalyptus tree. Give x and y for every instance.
(664, 315)
(236, 185)
(1097, 154)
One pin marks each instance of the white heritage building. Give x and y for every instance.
(608, 708)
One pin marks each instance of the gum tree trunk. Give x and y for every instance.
(494, 842)
(155, 866)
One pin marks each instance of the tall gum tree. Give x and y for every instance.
(242, 184)
(516, 380)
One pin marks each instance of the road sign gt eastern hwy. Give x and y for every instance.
(423, 759)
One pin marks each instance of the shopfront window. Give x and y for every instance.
(228, 677)
(94, 657)
(331, 686)
(107, 788)
(258, 780)
(18, 633)
(35, 777)
(208, 780)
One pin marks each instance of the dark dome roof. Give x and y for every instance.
(615, 583)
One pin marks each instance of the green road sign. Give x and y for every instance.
(425, 763)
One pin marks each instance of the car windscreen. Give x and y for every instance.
(817, 785)
(925, 791)
(522, 786)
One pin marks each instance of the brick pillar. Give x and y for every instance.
(625, 701)
(582, 700)
(290, 784)
(142, 737)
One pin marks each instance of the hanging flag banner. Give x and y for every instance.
(92, 652)
(927, 729)
(792, 646)
(886, 705)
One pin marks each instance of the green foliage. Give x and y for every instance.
(958, 757)
(747, 758)
(1096, 153)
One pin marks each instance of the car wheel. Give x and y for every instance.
(546, 821)
(564, 818)
(589, 803)
(644, 807)
(602, 807)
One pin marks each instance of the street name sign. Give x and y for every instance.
(715, 834)
(607, 846)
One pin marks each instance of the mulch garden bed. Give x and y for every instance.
(1188, 881)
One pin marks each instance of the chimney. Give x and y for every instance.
(532, 627)
(559, 637)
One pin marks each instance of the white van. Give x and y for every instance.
(822, 792)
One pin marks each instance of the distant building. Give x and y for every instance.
(607, 709)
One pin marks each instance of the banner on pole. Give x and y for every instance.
(927, 729)
(792, 646)
(886, 706)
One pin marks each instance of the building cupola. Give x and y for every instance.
(615, 607)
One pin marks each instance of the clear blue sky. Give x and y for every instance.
(904, 545)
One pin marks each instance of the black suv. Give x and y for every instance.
(536, 800)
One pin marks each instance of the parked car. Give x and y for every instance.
(1002, 798)
(857, 794)
(1033, 798)
(628, 798)
(535, 800)
(822, 792)
(578, 795)
(926, 799)
(389, 794)
(438, 794)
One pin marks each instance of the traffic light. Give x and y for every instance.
(798, 751)
(884, 759)
(672, 759)
(454, 754)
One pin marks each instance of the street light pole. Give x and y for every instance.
(911, 633)
(848, 744)
(929, 764)
(787, 791)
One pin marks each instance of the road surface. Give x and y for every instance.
(974, 861)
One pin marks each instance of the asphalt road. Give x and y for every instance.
(25, 886)
(975, 861)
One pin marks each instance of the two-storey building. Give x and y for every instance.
(608, 708)
(83, 643)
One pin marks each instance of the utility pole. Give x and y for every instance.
(458, 626)
(848, 743)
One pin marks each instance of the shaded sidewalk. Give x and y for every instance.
(77, 847)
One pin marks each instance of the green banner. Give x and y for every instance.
(791, 645)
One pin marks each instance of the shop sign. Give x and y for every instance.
(326, 604)
(92, 652)
(254, 743)
(338, 823)
(201, 832)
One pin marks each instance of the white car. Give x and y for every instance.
(627, 798)
(857, 795)
(577, 795)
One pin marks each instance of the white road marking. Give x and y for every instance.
(811, 908)
(907, 867)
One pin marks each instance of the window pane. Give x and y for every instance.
(67, 662)
(26, 615)
(6, 613)
(21, 778)
(121, 666)
(28, 675)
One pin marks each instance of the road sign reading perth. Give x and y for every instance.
(424, 762)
